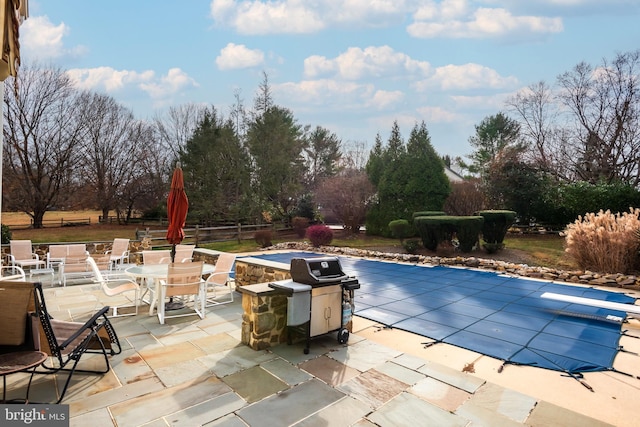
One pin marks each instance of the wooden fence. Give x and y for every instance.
(197, 234)
(51, 223)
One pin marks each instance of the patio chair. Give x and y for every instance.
(151, 258)
(183, 280)
(218, 289)
(184, 253)
(114, 287)
(16, 302)
(119, 253)
(156, 257)
(24, 308)
(22, 255)
(12, 273)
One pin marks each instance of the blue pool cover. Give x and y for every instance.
(496, 315)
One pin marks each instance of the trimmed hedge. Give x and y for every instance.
(496, 225)
(401, 229)
(436, 229)
(428, 213)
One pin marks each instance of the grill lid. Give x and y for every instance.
(313, 271)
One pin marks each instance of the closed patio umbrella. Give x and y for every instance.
(177, 208)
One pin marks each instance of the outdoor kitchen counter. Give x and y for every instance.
(264, 317)
(260, 289)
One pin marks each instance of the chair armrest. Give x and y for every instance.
(218, 273)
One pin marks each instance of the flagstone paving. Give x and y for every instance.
(193, 372)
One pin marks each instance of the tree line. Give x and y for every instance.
(67, 148)
(562, 150)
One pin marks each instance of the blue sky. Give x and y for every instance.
(352, 66)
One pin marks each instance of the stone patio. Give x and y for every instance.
(194, 372)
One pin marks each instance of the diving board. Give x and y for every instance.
(629, 308)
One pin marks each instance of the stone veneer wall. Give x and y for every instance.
(135, 250)
(264, 318)
(249, 273)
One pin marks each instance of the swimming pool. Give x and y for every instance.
(487, 312)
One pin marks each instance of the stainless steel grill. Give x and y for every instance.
(321, 289)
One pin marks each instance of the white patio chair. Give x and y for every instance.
(184, 253)
(22, 255)
(156, 257)
(12, 273)
(116, 287)
(151, 258)
(219, 290)
(183, 280)
(119, 253)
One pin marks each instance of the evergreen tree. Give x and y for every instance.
(411, 178)
(427, 186)
(275, 142)
(322, 154)
(217, 172)
(494, 136)
(375, 164)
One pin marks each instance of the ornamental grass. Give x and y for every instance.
(605, 242)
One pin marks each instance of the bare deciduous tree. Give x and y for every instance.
(42, 131)
(347, 195)
(110, 151)
(177, 125)
(588, 129)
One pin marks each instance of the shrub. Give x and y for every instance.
(495, 227)
(411, 245)
(437, 229)
(427, 213)
(400, 229)
(300, 224)
(319, 235)
(605, 242)
(5, 234)
(263, 238)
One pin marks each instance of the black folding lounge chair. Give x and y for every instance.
(67, 342)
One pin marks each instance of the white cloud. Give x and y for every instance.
(438, 115)
(445, 18)
(111, 80)
(373, 61)
(452, 20)
(39, 38)
(300, 16)
(257, 17)
(383, 99)
(107, 78)
(464, 77)
(175, 81)
(234, 56)
(325, 92)
(495, 102)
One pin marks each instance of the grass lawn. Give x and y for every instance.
(544, 250)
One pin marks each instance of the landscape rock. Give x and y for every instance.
(522, 270)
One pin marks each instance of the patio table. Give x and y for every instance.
(155, 273)
(19, 361)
